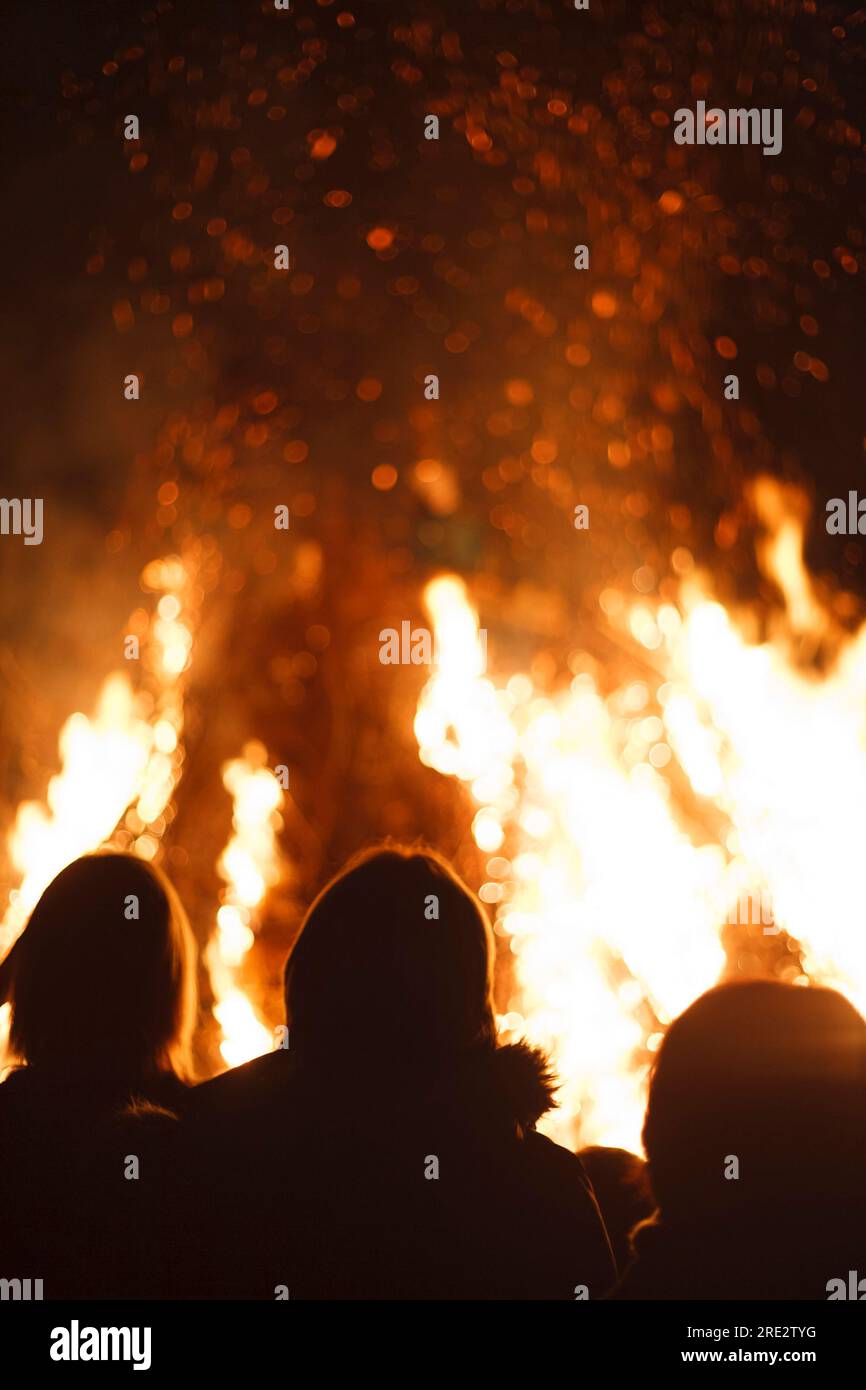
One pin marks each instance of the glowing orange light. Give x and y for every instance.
(611, 910)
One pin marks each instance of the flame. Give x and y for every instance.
(119, 768)
(610, 908)
(103, 762)
(250, 866)
(119, 772)
(785, 760)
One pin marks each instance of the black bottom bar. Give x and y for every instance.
(254, 1341)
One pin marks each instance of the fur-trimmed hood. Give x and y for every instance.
(501, 1088)
(511, 1085)
(523, 1080)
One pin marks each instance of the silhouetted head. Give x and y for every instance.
(101, 979)
(767, 1080)
(393, 961)
(622, 1190)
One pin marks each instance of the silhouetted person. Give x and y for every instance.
(391, 1151)
(755, 1134)
(102, 992)
(621, 1186)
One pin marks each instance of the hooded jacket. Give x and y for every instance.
(321, 1187)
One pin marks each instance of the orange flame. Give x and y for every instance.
(119, 768)
(250, 866)
(608, 906)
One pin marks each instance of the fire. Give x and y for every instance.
(103, 762)
(250, 866)
(609, 912)
(787, 766)
(119, 768)
(610, 907)
(119, 772)
(126, 759)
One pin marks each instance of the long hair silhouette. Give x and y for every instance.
(101, 980)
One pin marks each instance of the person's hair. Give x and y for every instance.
(102, 978)
(394, 958)
(770, 1074)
